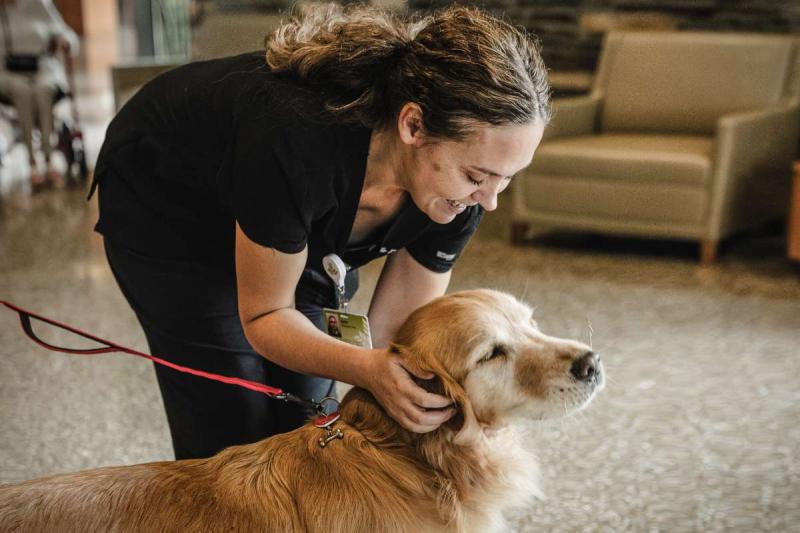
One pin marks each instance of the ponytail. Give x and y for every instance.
(460, 65)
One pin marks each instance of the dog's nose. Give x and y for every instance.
(585, 367)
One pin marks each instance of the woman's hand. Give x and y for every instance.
(414, 408)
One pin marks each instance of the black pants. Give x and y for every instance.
(189, 314)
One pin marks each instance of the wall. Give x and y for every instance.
(571, 31)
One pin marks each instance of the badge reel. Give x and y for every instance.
(339, 323)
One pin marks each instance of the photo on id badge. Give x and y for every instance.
(349, 327)
(340, 324)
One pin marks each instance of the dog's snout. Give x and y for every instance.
(585, 367)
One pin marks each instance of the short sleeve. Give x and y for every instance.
(440, 245)
(268, 187)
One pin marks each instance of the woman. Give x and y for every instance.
(223, 184)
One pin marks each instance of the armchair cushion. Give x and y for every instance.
(577, 202)
(645, 159)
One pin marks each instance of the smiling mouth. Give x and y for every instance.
(455, 204)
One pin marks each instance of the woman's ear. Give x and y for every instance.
(410, 125)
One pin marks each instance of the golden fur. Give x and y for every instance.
(379, 477)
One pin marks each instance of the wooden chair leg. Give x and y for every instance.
(708, 252)
(519, 230)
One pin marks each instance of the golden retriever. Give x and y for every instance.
(488, 355)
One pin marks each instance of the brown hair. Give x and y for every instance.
(459, 64)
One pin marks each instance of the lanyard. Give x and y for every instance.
(278, 394)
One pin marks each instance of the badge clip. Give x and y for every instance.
(337, 271)
(340, 323)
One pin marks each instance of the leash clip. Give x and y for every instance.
(320, 405)
(289, 397)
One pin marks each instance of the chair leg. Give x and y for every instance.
(708, 252)
(519, 230)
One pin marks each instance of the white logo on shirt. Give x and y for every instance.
(387, 250)
(446, 257)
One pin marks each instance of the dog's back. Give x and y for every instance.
(282, 484)
(243, 488)
(165, 496)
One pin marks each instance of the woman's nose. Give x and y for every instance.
(487, 195)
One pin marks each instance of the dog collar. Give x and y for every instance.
(326, 422)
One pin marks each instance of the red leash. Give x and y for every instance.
(25, 320)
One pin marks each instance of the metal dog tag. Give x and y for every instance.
(326, 422)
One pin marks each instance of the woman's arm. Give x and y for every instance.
(404, 285)
(266, 282)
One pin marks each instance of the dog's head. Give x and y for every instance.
(489, 356)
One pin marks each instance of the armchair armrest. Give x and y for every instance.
(573, 116)
(752, 167)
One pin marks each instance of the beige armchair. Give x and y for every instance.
(685, 135)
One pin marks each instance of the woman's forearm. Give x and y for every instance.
(288, 338)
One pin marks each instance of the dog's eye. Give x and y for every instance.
(497, 351)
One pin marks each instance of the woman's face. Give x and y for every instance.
(444, 177)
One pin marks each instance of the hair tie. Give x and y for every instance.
(400, 50)
(411, 46)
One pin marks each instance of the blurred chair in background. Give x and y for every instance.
(685, 135)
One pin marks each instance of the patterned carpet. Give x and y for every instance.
(696, 430)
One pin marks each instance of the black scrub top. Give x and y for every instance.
(211, 143)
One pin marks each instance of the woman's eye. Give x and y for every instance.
(473, 180)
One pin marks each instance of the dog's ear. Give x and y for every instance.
(463, 422)
(435, 385)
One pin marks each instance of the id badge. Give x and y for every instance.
(348, 327)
